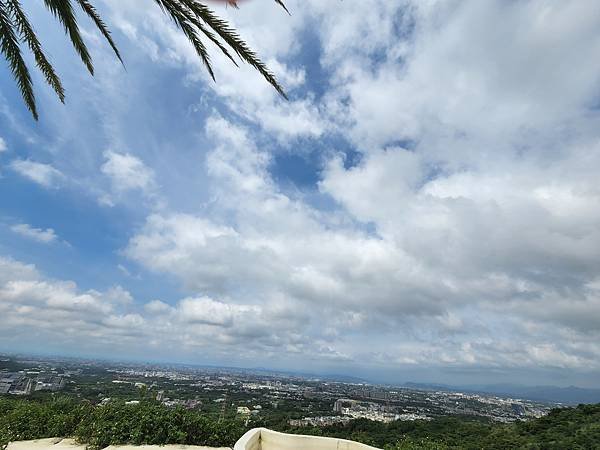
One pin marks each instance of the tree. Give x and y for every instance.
(198, 22)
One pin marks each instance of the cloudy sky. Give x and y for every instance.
(425, 207)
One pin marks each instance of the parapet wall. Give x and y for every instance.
(255, 439)
(265, 439)
(70, 444)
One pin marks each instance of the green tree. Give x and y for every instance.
(198, 23)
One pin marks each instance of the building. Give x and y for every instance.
(318, 421)
(8, 381)
(343, 403)
(50, 383)
(243, 410)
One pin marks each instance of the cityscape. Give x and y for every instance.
(258, 397)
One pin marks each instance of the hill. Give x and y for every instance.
(564, 428)
(570, 395)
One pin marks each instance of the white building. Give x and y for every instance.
(243, 410)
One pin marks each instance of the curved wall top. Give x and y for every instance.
(265, 439)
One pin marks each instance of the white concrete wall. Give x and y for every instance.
(70, 444)
(255, 439)
(264, 439)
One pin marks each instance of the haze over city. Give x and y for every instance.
(424, 207)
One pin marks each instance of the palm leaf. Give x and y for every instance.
(195, 19)
(9, 45)
(178, 14)
(28, 36)
(280, 3)
(63, 11)
(89, 9)
(200, 26)
(231, 38)
(215, 41)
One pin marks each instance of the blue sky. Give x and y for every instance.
(424, 207)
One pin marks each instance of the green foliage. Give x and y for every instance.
(417, 444)
(567, 428)
(152, 423)
(22, 420)
(114, 423)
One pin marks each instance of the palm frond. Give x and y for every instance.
(215, 41)
(9, 45)
(280, 3)
(177, 11)
(29, 37)
(89, 9)
(200, 26)
(63, 11)
(194, 18)
(231, 38)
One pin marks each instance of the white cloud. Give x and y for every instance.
(46, 236)
(11, 269)
(36, 308)
(156, 307)
(127, 172)
(3, 146)
(207, 311)
(460, 77)
(130, 180)
(118, 294)
(40, 173)
(446, 256)
(44, 298)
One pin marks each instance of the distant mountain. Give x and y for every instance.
(431, 386)
(310, 375)
(341, 378)
(571, 395)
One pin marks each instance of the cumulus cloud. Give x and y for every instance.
(61, 313)
(157, 307)
(459, 77)
(42, 306)
(471, 196)
(3, 146)
(127, 175)
(424, 264)
(118, 294)
(43, 174)
(46, 236)
(127, 172)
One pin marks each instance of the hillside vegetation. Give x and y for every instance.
(114, 423)
(562, 429)
(153, 423)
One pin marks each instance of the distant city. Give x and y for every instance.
(258, 397)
